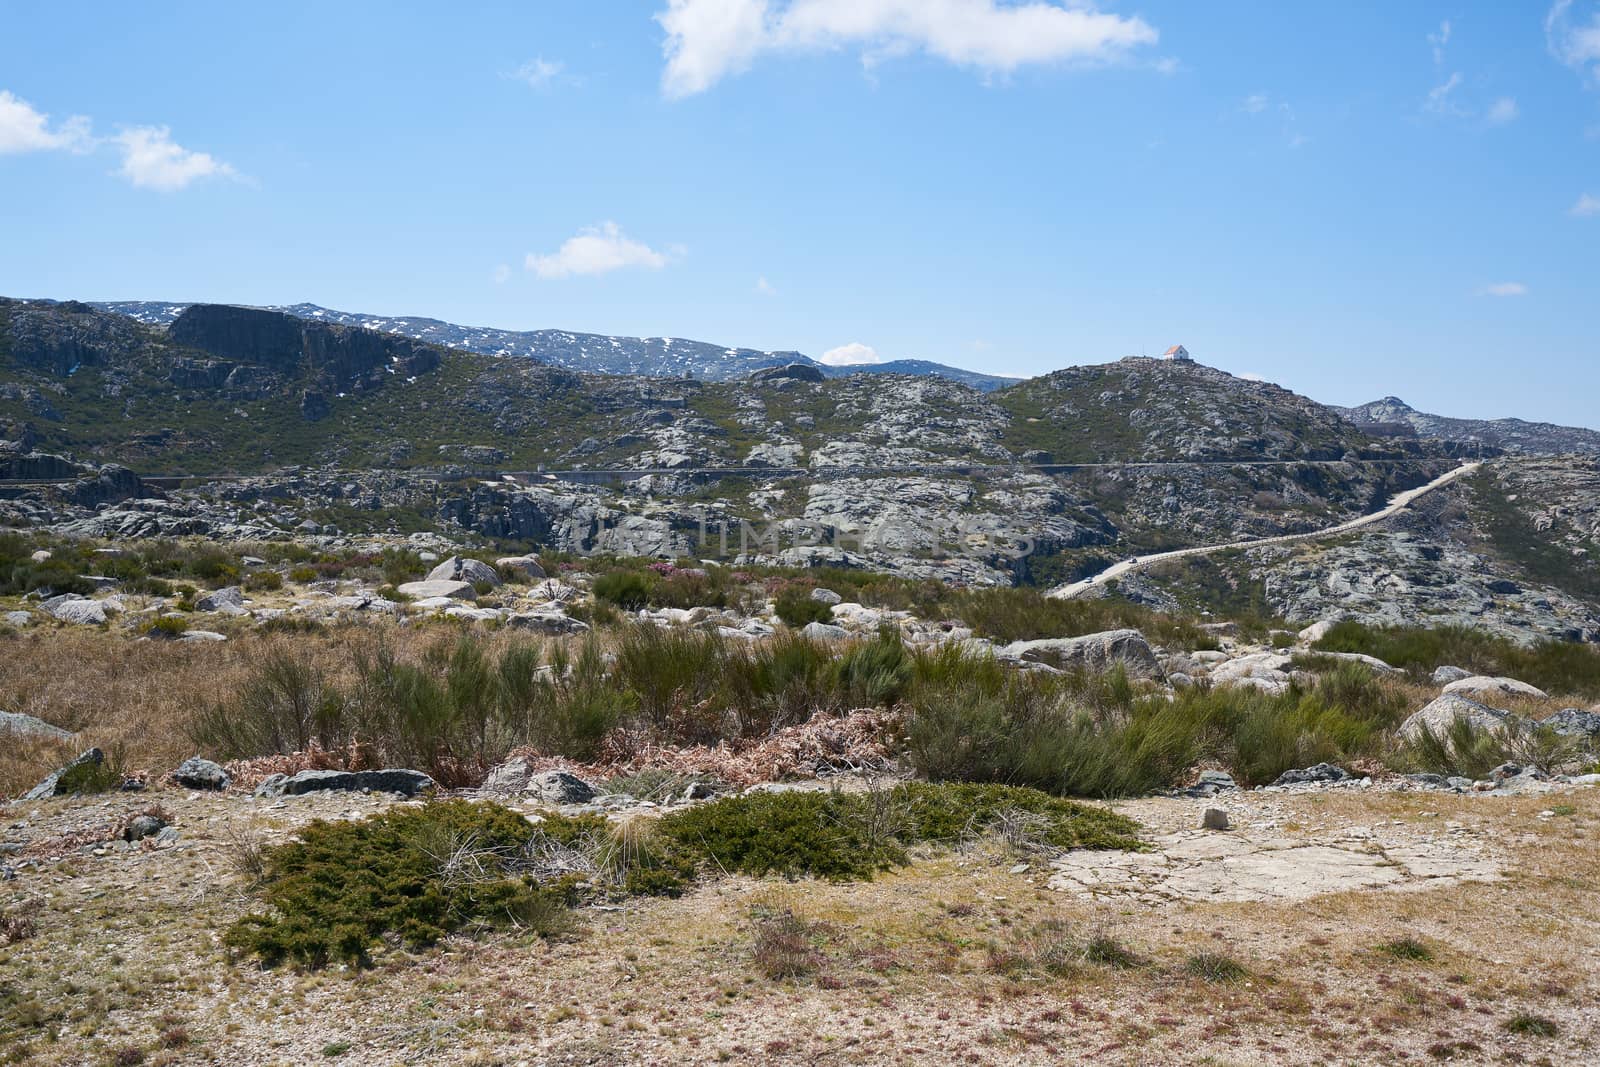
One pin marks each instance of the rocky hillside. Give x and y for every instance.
(1510, 551)
(1153, 410)
(1392, 416)
(655, 357)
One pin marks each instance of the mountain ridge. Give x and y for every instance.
(1392, 416)
(657, 357)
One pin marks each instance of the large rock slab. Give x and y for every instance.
(547, 622)
(406, 782)
(1092, 652)
(1438, 716)
(1482, 685)
(528, 566)
(16, 724)
(471, 571)
(444, 587)
(77, 610)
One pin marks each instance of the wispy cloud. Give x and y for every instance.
(1255, 104)
(764, 287)
(1574, 41)
(850, 355)
(708, 40)
(1438, 40)
(597, 250)
(1503, 289)
(537, 73)
(502, 273)
(1502, 111)
(1587, 207)
(151, 159)
(24, 128)
(1440, 100)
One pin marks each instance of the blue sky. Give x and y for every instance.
(1351, 199)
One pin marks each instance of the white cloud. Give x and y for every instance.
(708, 40)
(26, 129)
(537, 73)
(502, 273)
(151, 159)
(1587, 207)
(597, 250)
(1439, 40)
(1505, 289)
(850, 355)
(764, 287)
(1439, 96)
(1255, 104)
(1502, 111)
(1577, 44)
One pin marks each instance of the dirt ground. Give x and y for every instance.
(111, 953)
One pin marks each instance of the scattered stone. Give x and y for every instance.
(13, 722)
(1573, 722)
(1432, 781)
(395, 780)
(560, 787)
(1445, 675)
(547, 622)
(509, 778)
(1210, 784)
(19, 618)
(826, 596)
(1318, 630)
(142, 826)
(198, 773)
(198, 637)
(1321, 772)
(459, 569)
(51, 785)
(824, 631)
(1214, 819)
(228, 600)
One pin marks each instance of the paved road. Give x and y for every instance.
(1399, 503)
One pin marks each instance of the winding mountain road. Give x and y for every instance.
(1400, 502)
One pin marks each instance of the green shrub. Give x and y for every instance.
(1560, 667)
(628, 590)
(796, 608)
(793, 834)
(284, 705)
(303, 575)
(414, 873)
(1531, 1025)
(670, 669)
(1406, 948)
(843, 837)
(1215, 967)
(90, 777)
(167, 626)
(258, 581)
(1462, 749)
